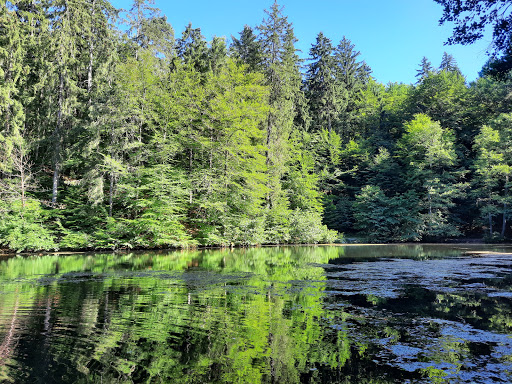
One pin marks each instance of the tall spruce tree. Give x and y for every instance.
(425, 70)
(352, 75)
(280, 65)
(321, 85)
(193, 49)
(12, 60)
(448, 63)
(247, 48)
(147, 29)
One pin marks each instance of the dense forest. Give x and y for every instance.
(117, 133)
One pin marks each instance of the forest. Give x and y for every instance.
(116, 132)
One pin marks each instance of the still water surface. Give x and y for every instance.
(355, 314)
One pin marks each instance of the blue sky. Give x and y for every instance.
(391, 35)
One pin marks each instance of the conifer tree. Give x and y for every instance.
(448, 63)
(247, 48)
(217, 54)
(12, 79)
(280, 65)
(193, 49)
(425, 70)
(352, 75)
(321, 84)
(149, 30)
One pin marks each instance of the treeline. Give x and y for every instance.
(128, 137)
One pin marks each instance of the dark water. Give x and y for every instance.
(359, 314)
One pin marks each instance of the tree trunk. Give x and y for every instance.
(111, 194)
(91, 52)
(190, 158)
(57, 139)
(504, 220)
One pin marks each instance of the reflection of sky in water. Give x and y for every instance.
(388, 278)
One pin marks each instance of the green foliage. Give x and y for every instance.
(430, 157)
(147, 141)
(385, 219)
(306, 227)
(22, 226)
(493, 167)
(441, 96)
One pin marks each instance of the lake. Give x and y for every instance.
(347, 314)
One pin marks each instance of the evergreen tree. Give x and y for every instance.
(352, 75)
(149, 30)
(281, 68)
(448, 63)
(280, 65)
(247, 48)
(217, 53)
(12, 55)
(321, 85)
(193, 49)
(425, 70)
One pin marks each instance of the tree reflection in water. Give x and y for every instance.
(276, 315)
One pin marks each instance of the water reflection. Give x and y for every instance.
(281, 315)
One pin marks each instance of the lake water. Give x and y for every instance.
(350, 314)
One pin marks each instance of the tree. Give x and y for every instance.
(352, 75)
(429, 154)
(385, 219)
(193, 49)
(217, 53)
(448, 63)
(321, 86)
(471, 17)
(149, 30)
(441, 96)
(425, 70)
(280, 66)
(247, 48)
(12, 80)
(493, 168)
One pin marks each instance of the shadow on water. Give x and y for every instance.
(356, 314)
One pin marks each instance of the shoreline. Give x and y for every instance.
(6, 253)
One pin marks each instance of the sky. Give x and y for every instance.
(392, 35)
